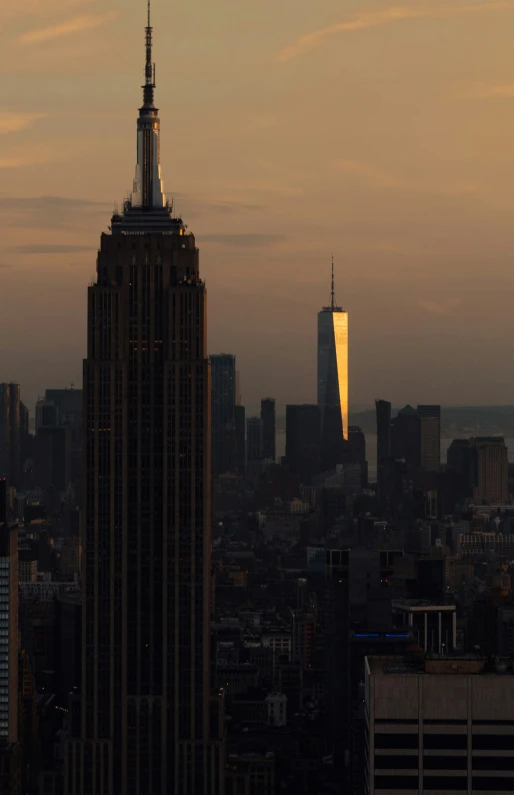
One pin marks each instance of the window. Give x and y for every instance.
(396, 741)
(450, 742)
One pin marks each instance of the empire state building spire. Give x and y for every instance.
(148, 190)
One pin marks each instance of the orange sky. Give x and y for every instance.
(380, 132)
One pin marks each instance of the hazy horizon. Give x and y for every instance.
(379, 132)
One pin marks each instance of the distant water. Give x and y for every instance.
(371, 449)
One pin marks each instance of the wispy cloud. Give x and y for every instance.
(55, 249)
(441, 306)
(487, 91)
(68, 28)
(244, 240)
(385, 179)
(12, 121)
(372, 175)
(376, 19)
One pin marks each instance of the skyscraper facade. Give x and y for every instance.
(254, 439)
(333, 381)
(303, 425)
(148, 722)
(9, 640)
(10, 433)
(268, 428)
(383, 411)
(491, 468)
(430, 437)
(223, 402)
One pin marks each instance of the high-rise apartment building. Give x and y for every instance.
(430, 437)
(10, 433)
(333, 381)
(223, 403)
(440, 724)
(149, 725)
(268, 428)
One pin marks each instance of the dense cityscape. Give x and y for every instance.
(197, 601)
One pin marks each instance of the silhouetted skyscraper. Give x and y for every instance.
(430, 437)
(147, 726)
(406, 437)
(303, 423)
(254, 439)
(333, 381)
(491, 466)
(268, 428)
(223, 402)
(10, 433)
(383, 410)
(240, 422)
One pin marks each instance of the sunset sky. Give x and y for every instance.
(291, 129)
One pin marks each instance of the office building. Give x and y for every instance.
(406, 437)
(430, 437)
(9, 640)
(147, 723)
(254, 439)
(10, 433)
(53, 457)
(240, 424)
(383, 413)
(440, 724)
(333, 381)
(268, 428)
(355, 452)
(223, 402)
(491, 467)
(303, 425)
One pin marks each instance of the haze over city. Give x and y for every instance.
(379, 132)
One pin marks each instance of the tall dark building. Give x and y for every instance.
(149, 724)
(383, 410)
(303, 424)
(254, 439)
(223, 402)
(406, 437)
(355, 451)
(3, 500)
(268, 428)
(10, 750)
(10, 433)
(333, 381)
(240, 423)
(430, 437)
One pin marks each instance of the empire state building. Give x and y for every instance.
(149, 724)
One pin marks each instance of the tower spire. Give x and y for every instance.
(149, 86)
(332, 293)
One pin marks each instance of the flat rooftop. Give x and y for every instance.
(465, 664)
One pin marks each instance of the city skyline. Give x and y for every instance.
(403, 164)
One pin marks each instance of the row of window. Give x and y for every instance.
(450, 742)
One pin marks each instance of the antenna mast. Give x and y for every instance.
(332, 294)
(149, 66)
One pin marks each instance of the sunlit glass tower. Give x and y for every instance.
(149, 725)
(333, 381)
